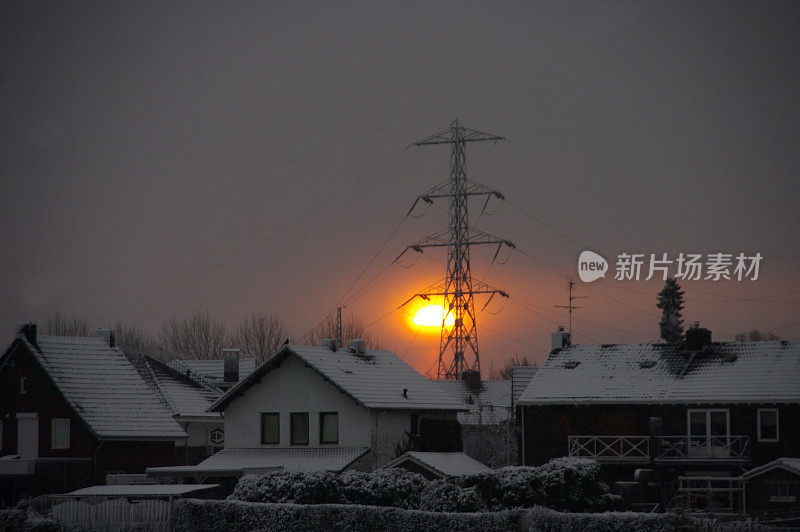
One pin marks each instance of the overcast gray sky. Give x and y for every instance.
(158, 158)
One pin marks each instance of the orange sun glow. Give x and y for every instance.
(431, 316)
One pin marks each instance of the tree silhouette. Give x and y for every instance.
(670, 301)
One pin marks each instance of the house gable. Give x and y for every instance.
(293, 386)
(43, 398)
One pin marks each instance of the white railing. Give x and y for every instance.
(712, 496)
(633, 448)
(611, 448)
(680, 448)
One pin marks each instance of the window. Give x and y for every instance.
(23, 385)
(767, 424)
(1, 433)
(782, 490)
(708, 427)
(299, 428)
(60, 433)
(329, 427)
(270, 427)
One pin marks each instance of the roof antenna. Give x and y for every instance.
(571, 307)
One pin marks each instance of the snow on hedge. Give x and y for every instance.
(563, 484)
(541, 519)
(229, 515)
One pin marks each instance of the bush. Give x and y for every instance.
(318, 487)
(562, 484)
(212, 515)
(444, 496)
(11, 519)
(545, 519)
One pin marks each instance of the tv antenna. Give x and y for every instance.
(458, 343)
(571, 307)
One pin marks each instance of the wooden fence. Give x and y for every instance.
(113, 514)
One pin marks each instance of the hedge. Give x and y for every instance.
(229, 515)
(562, 484)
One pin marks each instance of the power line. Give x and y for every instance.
(271, 235)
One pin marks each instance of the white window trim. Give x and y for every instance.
(777, 425)
(53, 432)
(23, 385)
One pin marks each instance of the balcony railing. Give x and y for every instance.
(611, 448)
(685, 448)
(620, 449)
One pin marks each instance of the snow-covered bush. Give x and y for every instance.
(207, 515)
(11, 519)
(539, 519)
(316, 487)
(444, 496)
(562, 484)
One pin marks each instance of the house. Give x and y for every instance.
(221, 373)
(327, 408)
(433, 465)
(187, 397)
(72, 410)
(693, 416)
(772, 491)
(487, 427)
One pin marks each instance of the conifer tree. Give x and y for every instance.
(670, 301)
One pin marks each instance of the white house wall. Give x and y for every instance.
(293, 387)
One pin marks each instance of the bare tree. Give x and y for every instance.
(757, 336)
(352, 328)
(136, 341)
(260, 336)
(59, 324)
(198, 336)
(506, 370)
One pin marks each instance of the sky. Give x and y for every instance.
(163, 158)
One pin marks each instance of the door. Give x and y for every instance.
(28, 435)
(709, 433)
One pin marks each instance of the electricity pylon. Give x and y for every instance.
(458, 344)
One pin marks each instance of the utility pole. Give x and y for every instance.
(458, 344)
(571, 307)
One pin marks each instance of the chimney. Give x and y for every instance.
(560, 339)
(357, 346)
(29, 331)
(472, 378)
(109, 335)
(697, 338)
(330, 343)
(231, 368)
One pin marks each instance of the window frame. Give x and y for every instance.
(53, 423)
(777, 425)
(23, 385)
(322, 416)
(277, 415)
(708, 412)
(292, 416)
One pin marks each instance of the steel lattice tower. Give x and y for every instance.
(458, 345)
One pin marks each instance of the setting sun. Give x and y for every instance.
(431, 316)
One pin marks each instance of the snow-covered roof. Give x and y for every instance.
(375, 379)
(231, 460)
(103, 388)
(489, 405)
(520, 377)
(660, 373)
(140, 490)
(183, 394)
(441, 464)
(787, 464)
(213, 369)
